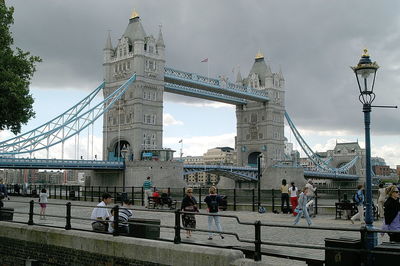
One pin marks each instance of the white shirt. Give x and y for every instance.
(43, 197)
(100, 212)
(293, 192)
(311, 189)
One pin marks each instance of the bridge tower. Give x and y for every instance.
(260, 126)
(135, 121)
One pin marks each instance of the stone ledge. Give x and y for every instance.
(123, 247)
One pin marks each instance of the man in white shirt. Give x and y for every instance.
(310, 196)
(100, 214)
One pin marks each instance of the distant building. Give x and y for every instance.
(215, 156)
(381, 170)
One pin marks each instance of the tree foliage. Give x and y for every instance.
(16, 70)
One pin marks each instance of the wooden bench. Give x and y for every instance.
(312, 260)
(343, 207)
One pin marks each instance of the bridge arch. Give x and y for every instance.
(352, 170)
(252, 158)
(117, 145)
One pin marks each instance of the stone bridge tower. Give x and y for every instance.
(135, 121)
(260, 126)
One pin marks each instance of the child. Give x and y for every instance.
(43, 203)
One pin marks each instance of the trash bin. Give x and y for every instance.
(6, 214)
(71, 195)
(34, 193)
(122, 196)
(387, 259)
(144, 230)
(224, 203)
(343, 258)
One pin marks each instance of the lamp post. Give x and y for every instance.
(365, 72)
(124, 153)
(259, 175)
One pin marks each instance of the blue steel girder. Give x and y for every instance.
(69, 128)
(329, 175)
(319, 163)
(55, 122)
(198, 93)
(26, 163)
(193, 80)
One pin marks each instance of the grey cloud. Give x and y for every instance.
(314, 42)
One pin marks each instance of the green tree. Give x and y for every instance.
(16, 70)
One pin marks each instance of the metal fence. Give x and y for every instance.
(256, 243)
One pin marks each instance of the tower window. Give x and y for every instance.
(145, 46)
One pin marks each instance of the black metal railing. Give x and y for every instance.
(258, 226)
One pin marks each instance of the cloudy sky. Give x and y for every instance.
(314, 42)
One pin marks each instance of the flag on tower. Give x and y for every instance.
(180, 141)
(204, 60)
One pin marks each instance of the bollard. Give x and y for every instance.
(200, 198)
(253, 200)
(98, 194)
(234, 199)
(142, 194)
(273, 200)
(84, 191)
(133, 195)
(68, 216)
(31, 205)
(91, 188)
(339, 196)
(79, 193)
(257, 241)
(115, 222)
(177, 238)
(316, 203)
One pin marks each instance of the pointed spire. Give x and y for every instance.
(134, 14)
(259, 55)
(280, 73)
(108, 45)
(239, 78)
(160, 40)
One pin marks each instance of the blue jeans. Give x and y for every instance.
(300, 213)
(217, 224)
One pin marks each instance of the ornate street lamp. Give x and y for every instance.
(365, 72)
(124, 153)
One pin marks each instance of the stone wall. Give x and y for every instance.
(54, 246)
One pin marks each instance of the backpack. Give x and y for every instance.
(356, 199)
(213, 206)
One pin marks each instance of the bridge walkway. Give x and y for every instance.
(81, 209)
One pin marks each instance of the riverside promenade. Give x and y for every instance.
(81, 209)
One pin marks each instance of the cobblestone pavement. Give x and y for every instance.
(81, 209)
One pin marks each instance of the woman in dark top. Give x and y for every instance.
(189, 204)
(392, 213)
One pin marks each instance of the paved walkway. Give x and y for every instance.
(82, 209)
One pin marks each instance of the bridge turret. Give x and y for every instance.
(108, 54)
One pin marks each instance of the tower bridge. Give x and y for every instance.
(135, 79)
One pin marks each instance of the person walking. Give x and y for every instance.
(43, 196)
(359, 200)
(100, 214)
(302, 207)
(213, 200)
(284, 197)
(381, 200)
(3, 189)
(293, 197)
(189, 204)
(392, 213)
(147, 186)
(311, 197)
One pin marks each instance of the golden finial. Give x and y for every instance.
(134, 14)
(365, 52)
(259, 55)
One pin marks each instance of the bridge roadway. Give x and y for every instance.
(83, 209)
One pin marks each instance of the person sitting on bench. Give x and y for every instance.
(166, 200)
(100, 214)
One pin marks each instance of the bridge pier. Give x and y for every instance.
(163, 174)
(272, 177)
